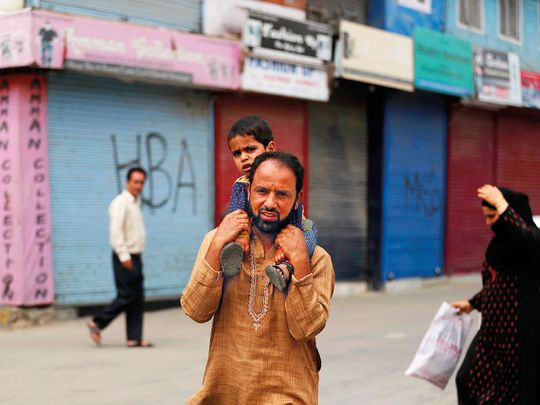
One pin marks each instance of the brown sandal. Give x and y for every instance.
(140, 343)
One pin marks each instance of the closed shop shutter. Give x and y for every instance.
(518, 158)
(184, 15)
(338, 182)
(413, 185)
(287, 118)
(97, 127)
(471, 153)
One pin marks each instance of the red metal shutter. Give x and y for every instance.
(470, 164)
(288, 120)
(518, 158)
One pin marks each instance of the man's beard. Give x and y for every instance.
(271, 227)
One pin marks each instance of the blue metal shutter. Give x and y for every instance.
(414, 185)
(184, 15)
(97, 124)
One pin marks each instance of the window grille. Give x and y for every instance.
(470, 14)
(510, 19)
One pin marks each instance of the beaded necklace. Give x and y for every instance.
(257, 317)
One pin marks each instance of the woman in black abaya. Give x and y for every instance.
(503, 362)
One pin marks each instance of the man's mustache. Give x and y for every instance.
(273, 210)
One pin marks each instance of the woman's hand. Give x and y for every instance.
(464, 307)
(493, 196)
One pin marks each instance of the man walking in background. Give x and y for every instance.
(128, 238)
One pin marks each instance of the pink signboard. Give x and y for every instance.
(124, 49)
(530, 89)
(39, 288)
(15, 39)
(11, 246)
(25, 257)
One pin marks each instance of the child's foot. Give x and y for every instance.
(279, 274)
(231, 259)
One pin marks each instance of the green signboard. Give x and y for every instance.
(442, 63)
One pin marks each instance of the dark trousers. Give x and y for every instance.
(463, 375)
(129, 298)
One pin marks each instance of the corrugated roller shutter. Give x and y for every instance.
(471, 152)
(338, 183)
(96, 125)
(414, 185)
(518, 159)
(184, 15)
(287, 118)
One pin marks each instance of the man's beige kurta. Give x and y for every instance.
(278, 363)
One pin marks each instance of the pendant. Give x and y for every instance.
(256, 325)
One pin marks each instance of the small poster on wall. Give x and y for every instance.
(497, 77)
(530, 89)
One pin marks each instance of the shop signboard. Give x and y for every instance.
(277, 37)
(442, 63)
(15, 39)
(124, 49)
(285, 79)
(530, 89)
(375, 56)
(497, 77)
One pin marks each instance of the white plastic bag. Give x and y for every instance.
(441, 347)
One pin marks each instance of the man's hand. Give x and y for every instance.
(233, 223)
(127, 264)
(464, 306)
(493, 196)
(279, 257)
(292, 243)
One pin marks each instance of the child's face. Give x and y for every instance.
(244, 149)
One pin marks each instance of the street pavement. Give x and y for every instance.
(368, 343)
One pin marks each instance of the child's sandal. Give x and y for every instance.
(277, 277)
(231, 257)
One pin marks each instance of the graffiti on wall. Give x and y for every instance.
(163, 187)
(423, 193)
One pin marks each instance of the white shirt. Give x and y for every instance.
(126, 226)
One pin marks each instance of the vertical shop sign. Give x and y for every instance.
(11, 257)
(37, 216)
(25, 251)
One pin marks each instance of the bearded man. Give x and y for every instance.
(262, 344)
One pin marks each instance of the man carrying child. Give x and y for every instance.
(262, 344)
